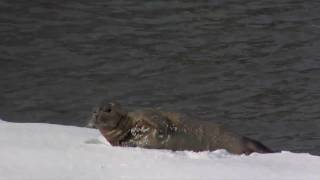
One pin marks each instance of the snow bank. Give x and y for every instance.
(44, 151)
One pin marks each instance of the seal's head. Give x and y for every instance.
(107, 116)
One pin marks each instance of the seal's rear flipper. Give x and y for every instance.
(255, 146)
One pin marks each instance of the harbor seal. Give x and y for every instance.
(155, 129)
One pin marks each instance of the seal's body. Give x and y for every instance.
(155, 129)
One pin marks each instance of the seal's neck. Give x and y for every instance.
(117, 134)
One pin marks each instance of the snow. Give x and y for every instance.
(45, 151)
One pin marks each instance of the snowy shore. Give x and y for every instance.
(45, 151)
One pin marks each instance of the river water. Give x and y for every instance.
(251, 65)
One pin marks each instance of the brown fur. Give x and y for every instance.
(168, 130)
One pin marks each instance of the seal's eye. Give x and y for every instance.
(108, 110)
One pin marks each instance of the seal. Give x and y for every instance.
(155, 129)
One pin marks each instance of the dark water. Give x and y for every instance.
(251, 65)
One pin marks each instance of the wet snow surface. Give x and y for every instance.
(46, 151)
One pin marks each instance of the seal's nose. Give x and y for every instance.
(91, 124)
